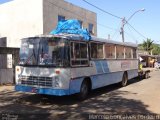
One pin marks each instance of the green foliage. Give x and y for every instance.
(140, 47)
(149, 46)
(156, 49)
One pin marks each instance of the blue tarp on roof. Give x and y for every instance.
(71, 27)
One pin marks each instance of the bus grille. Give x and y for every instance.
(36, 81)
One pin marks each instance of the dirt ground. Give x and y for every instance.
(140, 97)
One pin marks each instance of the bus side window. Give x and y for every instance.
(83, 50)
(79, 54)
(93, 50)
(110, 51)
(128, 53)
(100, 51)
(97, 50)
(77, 50)
(120, 52)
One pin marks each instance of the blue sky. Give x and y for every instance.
(147, 22)
(3, 1)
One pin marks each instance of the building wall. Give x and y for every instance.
(3, 42)
(25, 18)
(19, 19)
(53, 8)
(3, 57)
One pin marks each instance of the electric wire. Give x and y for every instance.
(131, 35)
(115, 16)
(102, 10)
(136, 31)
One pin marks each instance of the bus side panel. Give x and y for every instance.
(75, 85)
(111, 78)
(104, 72)
(97, 81)
(132, 73)
(78, 74)
(106, 79)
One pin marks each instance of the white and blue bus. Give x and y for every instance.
(67, 64)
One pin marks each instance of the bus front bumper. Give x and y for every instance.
(47, 91)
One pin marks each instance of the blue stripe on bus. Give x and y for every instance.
(98, 67)
(102, 67)
(105, 67)
(48, 91)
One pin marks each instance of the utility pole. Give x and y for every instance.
(122, 28)
(124, 21)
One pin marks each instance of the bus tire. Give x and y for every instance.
(146, 76)
(124, 79)
(84, 90)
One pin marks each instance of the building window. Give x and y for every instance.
(60, 18)
(120, 52)
(79, 54)
(81, 23)
(128, 52)
(90, 28)
(97, 50)
(110, 50)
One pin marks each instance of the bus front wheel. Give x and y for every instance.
(124, 80)
(84, 90)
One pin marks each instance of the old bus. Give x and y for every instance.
(67, 64)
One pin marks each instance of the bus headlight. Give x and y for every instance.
(18, 72)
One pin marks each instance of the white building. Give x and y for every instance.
(25, 18)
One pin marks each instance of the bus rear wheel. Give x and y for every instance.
(84, 90)
(124, 80)
(146, 75)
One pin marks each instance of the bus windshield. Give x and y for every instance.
(44, 51)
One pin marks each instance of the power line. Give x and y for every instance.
(107, 27)
(131, 35)
(132, 38)
(102, 10)
(117, 31)
(114, 16)
(137, 31)
(116, 35)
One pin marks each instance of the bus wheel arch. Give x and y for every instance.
(85, 88)
(124, 79)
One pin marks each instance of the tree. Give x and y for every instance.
(156, 49)
(148, 45)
